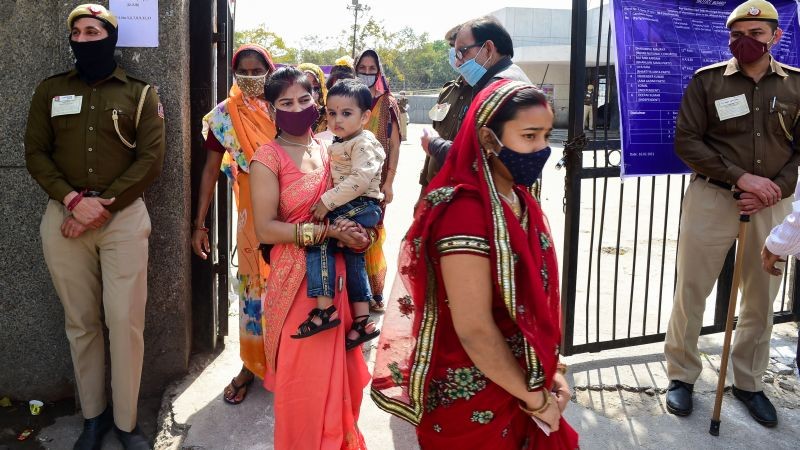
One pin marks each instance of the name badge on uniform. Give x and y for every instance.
(728, 108)
(66, 104)
(439, 112)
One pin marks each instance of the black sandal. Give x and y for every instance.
(308, 328)
(360, 326)
(236, 388)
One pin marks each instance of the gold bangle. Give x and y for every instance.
(297, 240)
(562, 368)
(308, 234)
(548, 400)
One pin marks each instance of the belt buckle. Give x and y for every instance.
(92, 194)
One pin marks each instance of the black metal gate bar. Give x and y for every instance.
(663, 255)
(616, 265)
(574, 160)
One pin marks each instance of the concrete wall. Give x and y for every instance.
(34, 355)
(418, 107)
(556, 75)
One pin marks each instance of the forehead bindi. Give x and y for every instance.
(343, 103)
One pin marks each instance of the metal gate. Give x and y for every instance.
(621, 238)
(211, 32)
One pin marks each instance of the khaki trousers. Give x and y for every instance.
(708, 228)
(109, 265)
(588, 117)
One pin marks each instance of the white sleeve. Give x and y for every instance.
(785, 238)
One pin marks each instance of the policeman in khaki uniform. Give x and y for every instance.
(94, 141)
(736, 130)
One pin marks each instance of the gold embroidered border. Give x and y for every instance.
(419, 371)
(535, 374)
(463, 243)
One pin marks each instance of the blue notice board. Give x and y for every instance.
(659, 46)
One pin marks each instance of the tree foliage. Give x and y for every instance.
(410, 61)
(267, 39)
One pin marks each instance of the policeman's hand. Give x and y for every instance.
(200, 245)
(749, 204)
(764, 188)
(71, 228)
(425, 140)
(91, 211)
(768, 260)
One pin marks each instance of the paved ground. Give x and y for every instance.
(618, 403)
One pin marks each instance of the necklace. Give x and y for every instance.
(513, 203)
(297, 144)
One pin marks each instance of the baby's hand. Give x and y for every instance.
(319, 211)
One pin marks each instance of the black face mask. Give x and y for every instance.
(525, 168)
(95, 59)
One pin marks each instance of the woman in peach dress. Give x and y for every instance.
(317, 384)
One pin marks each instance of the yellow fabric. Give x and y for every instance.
(753, 10)
(92, 10)
(317, 71)
(344, 61)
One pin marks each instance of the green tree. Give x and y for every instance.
(410, 61)
(267, 39)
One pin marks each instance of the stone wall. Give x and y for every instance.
(34, 354)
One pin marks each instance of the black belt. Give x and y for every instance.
(718, 183)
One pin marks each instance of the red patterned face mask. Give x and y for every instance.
(747, 50)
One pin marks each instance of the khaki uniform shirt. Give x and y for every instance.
(82, 148)
(760, 142)
(355, 169)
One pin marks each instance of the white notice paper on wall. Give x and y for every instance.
(138, 22)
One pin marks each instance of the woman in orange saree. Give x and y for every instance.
(233, 131)
(317, 384)
(470, 355)
(384, 124)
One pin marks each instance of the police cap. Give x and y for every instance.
(94, 11)
(753, 10)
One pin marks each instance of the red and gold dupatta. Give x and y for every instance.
(407, 348)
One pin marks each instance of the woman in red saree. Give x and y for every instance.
(470, 355)
(317, 384)
(384, 124)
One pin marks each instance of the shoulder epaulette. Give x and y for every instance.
(136, 79)
(788, 67)
(712, 66)
(58, 75)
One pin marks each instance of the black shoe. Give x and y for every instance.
(759, 406)
(679, 398)
(134, 440)
(93, 431)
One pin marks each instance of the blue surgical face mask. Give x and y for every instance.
(472, 71)
(525, 168)
(451, 58)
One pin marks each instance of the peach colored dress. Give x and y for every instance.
(318, 386)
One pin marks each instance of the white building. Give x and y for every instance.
(541, 39)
